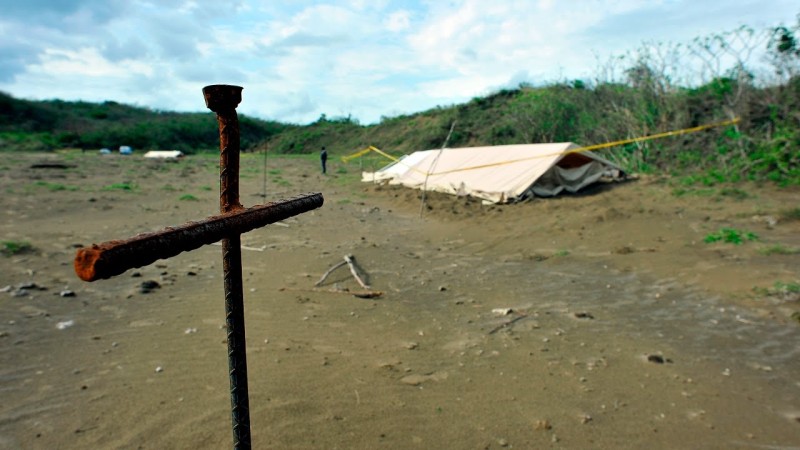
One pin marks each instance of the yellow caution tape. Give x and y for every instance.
(367, 150)
(574, 150)
(357, 154)
(657, 136)
(372, 148)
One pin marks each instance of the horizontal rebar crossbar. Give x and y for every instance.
(112, 258)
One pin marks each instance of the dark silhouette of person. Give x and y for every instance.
(323, 158)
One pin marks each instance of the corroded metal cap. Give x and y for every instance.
(220, 97)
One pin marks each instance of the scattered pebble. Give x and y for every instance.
(502, 311)
(65, 324)
(159, 369)
(542, 425)
(190, 331)
(148, 286)
(66, 293)
(583, 315)
(417, 379)
(793, 416)
(658, 359)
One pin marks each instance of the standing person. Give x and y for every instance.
(323, 158)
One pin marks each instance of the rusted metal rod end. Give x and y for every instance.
(222, 97)
(86, 261)
(111, 258)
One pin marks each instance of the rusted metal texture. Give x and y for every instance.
(237, 343)
(223, 99)
(112, 258)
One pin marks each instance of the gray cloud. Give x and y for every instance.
(285, 46)
(211, 74)
(295, 105)
(117, 50)
(685, 21)
(14, 59)
(312, 40)
(60, 13)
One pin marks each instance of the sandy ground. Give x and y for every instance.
(626, 330)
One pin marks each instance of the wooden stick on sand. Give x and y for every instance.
(349, 260)
(359, 294)
(325, 275)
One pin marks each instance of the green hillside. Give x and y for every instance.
(53, 124)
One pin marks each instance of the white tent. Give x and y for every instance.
(499, 174)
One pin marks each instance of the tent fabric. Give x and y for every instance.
(498, 174)
(558, 179)
(396, 168)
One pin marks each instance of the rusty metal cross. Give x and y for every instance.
(115, 257)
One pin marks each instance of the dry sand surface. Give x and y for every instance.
(623, 328)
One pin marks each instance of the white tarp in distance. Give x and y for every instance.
(164, 154)
(499, 174)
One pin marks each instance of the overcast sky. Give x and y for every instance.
(364, 58)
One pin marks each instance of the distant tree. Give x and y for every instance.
(784, 51)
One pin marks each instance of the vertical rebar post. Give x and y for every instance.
(223, 100)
